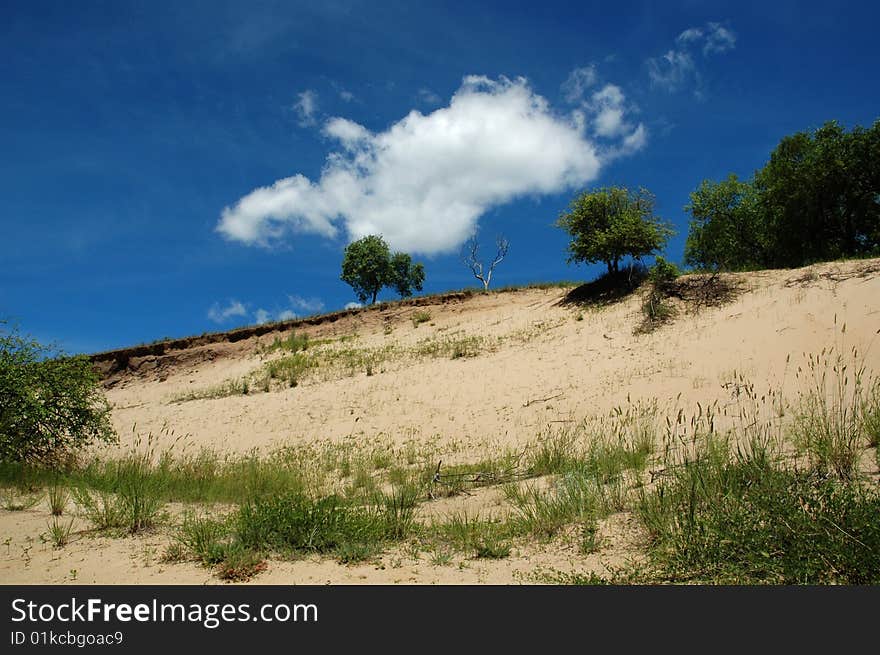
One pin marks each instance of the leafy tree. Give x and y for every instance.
(49, 406)
(726, 231)
(368, 266)
(819, 194)
(817, 198)
(611, 223)
(406, 277)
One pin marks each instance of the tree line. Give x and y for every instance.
(816, 199)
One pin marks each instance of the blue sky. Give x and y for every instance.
(174, 168)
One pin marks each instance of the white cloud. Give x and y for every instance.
(347, 132)
(306, 106)
(424, 182)
(262, 316)
(287, 315)
(578, 81)
(671, 70)
(605, 113)
(677, 68)
(718, 39)
(308, 305)
(347, 96)
(353, 305)
(691, 34)
(220, 314)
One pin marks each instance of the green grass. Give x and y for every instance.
(748, 520)
(237, 387)
(838, 414)
(420, 317)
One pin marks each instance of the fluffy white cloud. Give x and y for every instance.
(306, 106)
(353, 305)
(676, 67)
(221, 314)
(425, 181)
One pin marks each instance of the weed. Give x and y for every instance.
(743, 519)
(58, 497)
(60, 532)
(835, 413)
(420, 317)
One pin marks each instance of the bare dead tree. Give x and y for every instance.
(471, 260)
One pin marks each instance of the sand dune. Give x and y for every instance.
(529, 362)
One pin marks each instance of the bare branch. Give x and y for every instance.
(470, 259)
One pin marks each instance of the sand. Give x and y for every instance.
(540, 363)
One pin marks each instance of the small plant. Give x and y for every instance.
(294, 343)
(58, 497)
(60, 532)
(835, 413)
(492, 549)
(240, 565)
(420, 317)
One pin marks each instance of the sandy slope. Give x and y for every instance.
(538, 364)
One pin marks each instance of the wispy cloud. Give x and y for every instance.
(578, 81)
(296, 306)
(428, 97)
(221, 314)
(677, 67)
(425, 182)
(353, 305)
(306, 107)
(306, 305)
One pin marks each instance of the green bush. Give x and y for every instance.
(51, 404)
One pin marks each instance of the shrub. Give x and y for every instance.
(52, 404)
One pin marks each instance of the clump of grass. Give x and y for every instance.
(237, 387)
(837, 412)
(240, 565)
(543, 513)
(294, 343)
(420, 317)
(59, 532)
(294, 523)
(452, 347)
(134, 499)
(482, 538)
(290, 369)
(744, 519)
(58, 497)
(103, 509)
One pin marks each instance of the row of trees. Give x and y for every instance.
(818, 198)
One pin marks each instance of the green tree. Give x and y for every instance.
(50, 405)
(406, 277)
(819, 195)
(368, 265)
(726, 230)
(611, 223)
